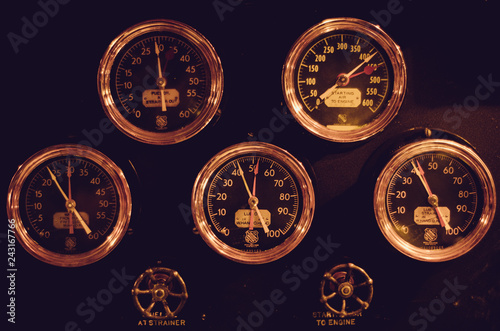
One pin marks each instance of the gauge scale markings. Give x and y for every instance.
(43, 185)
(344, 79)
(434, 200)
(230, 173)
(323, 82)
(181, 57)
(71, 204)
(253, 202)
(160, 82)
(395, 201)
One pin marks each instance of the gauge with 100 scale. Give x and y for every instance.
(253, 202)
(344, 79)
(435, 200)
(71, 205)
(160, 82)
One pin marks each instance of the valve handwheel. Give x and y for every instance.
(347, 286)
(159, 293)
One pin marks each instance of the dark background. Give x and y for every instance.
(49, 93)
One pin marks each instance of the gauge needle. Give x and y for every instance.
(255, 172)
(70, 204)
(71, 228)
(332, 89)
(368, 70)
(253, 198)
(433, 199)
(161, 80)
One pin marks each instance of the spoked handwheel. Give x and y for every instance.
(159, 293)
(348, 288)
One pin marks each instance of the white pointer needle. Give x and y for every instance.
(71, 209)
(264, 225)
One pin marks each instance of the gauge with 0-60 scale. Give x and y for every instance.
(71, 205)
(160, 82)
(344, 79)
(435, 200)
(253, 202)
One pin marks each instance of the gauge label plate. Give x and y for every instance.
(344, 98)
(428, 216)
(61, 220)
(153, 98)
(243, 216)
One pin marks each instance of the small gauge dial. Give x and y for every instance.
(344, 79)
(71, 205)
(253, 203)
(160, 82)
(435, 200)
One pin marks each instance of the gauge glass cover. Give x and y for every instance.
(435, 200)
(71, 205)
(160, 82)
(253, 203)
(344, 79)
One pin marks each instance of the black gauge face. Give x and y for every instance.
(161, 82)
(253, 202)
(71, 205)
(236, 217)
(344, 80)
(442, 218)
(434, 200)
(56, 223)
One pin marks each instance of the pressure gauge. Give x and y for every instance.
(160, 82)
(71, 205)
(253, 202)
(344, 79)
(435, 200)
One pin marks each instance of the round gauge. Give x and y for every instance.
(435, 200)
(160, 82)
(253, 202)
(344, 79)
(71, 205)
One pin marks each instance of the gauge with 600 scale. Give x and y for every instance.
(160, 82)
(344, 79)
(253, 202)
(71, 205)
(435, 200)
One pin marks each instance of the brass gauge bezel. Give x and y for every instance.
(322, 30)
(215, 84)
(455, 150)
(304, 185)
(124, 199)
